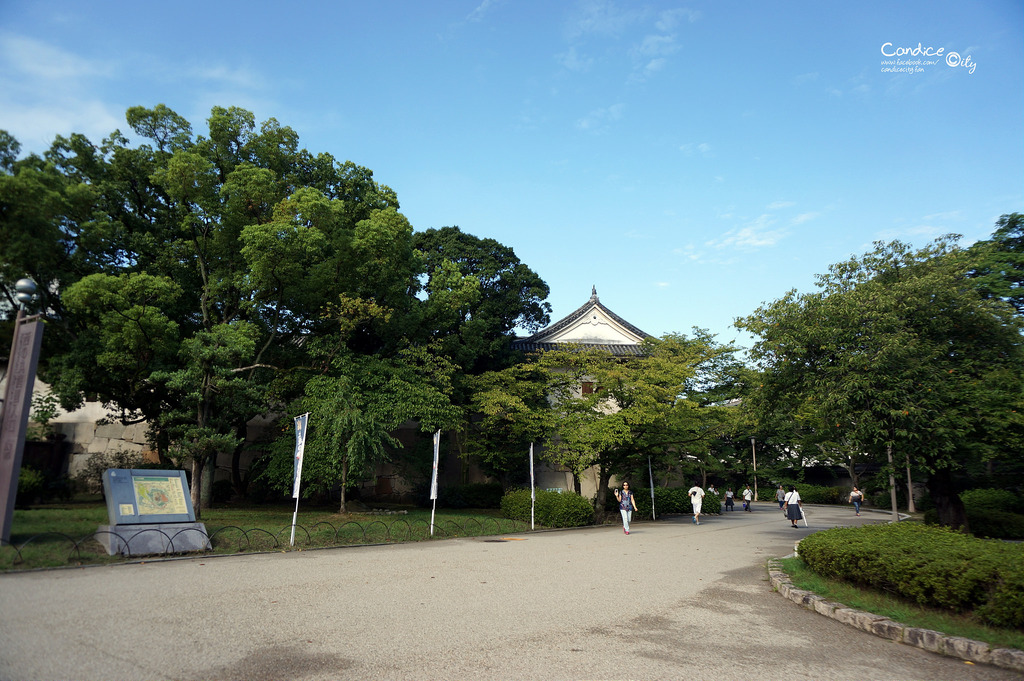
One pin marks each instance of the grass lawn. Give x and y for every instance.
(899, 610)
(62, 535)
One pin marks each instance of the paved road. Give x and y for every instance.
(670, 601)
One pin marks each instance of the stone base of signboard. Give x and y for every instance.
(144, 540)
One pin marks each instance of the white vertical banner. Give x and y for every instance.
(650, 473)
(433, 479)
(300, 447)
(533, 491)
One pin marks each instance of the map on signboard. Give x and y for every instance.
(159, 496)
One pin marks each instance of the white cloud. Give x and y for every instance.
(656, 46)
(599, 120)
(36, 59)
(691, 148)
(755, 235)
(671, 18)
(804, 217)
(46, 91)
(779, 205)
(571, 60)
(599, 17)
(480, 11)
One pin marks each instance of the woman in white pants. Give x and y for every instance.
(627, 504)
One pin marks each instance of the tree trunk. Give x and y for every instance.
(892, 486)
(602, 492)
(910, 489)
(344, 482)
(197, 486)
(852, 468)
(209, 470)
(947, 501)
(239, 483)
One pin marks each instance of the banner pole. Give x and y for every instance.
(533, 493)
(433, 479)
(300, 446)
(295, 517)
(651, 474)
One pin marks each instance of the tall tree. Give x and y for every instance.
(239, 243)
(899, 355)
(476, 334)
(999, 272)
(594, 409)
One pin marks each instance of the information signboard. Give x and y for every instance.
(136, 496)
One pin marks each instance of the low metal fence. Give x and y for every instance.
(54, 549)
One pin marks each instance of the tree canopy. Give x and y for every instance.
(592, 409)
(897, 354)
(198, 281)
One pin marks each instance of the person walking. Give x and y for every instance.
(780, 495)
(792, 506)
(627, 504)
(856, 496)
(697, 500)
(729, 503)
(748, 496)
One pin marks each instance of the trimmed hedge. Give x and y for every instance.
(813, 494)
(932, 566)
(990, 513)
(666, 500)
(990, 500)
(552, 509)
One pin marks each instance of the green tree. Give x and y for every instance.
(240, 243)
(593, 409)
(999, 272)
(353, 412)
(508, 412)
(897, 355)
(476, 333)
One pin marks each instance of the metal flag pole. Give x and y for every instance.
(433, 479)
(533, 493)
(300, 446)
(651, 474)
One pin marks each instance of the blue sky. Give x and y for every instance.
(691, 160)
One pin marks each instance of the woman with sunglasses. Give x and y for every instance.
(627, 504)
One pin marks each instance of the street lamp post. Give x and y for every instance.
(21, 377)
(753, 453)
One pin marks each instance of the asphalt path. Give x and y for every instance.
(672, 600)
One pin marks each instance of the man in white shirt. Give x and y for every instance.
(748, 496)
(697, 499)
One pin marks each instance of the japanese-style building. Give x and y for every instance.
(595, 326)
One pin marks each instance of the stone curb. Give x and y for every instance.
(926, 639)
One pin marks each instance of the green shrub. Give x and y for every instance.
(90, 477)
(819, 494)
(932, 566)
(989, 500)
(995, 524)
(30, 486)
(473, 495)
(1005, 606)
(883, 499)
(552, 509)
(667, 500)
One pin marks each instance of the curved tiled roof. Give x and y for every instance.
(616, 349)
(536, 342)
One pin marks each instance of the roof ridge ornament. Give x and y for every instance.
(593, 293)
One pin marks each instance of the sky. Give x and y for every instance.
(690, 160)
